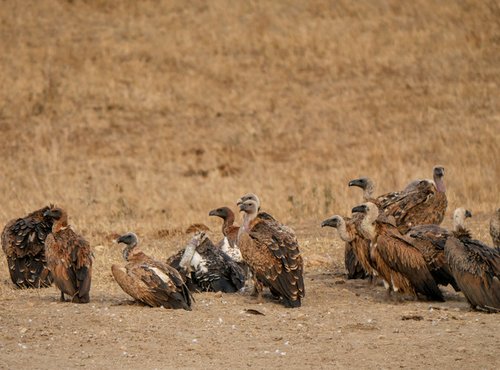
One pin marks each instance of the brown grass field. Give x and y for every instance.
(144, 115)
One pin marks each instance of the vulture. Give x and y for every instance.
(23, 242)
(495, 229)
(230, 232)
(149, 281)
(421, 202)
(69, 258)
(475, 267)
(273, 255)
(357, 248)
(207, 268)
(396, 259)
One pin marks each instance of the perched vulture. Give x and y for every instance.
(207, 268)
(475, 267)
(230, 232)
(397, 261)
(422, 202)
(495, 229)
(23, 242)
(272, 254)
(69, 258)
(357, 248)
(150, 281)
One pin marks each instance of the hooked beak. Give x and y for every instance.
(332, 222)
(359, 209)
(468, 213)
(356, 182)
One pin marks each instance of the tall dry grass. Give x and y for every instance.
(145, 115)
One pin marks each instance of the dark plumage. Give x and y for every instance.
(357, 248)
(207, 268)
(23, 242)
(476, 269)
(273, 255)
(398, 262)
(150, 281)
(495, 229)
(69, 258)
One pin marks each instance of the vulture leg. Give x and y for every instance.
(62, 297)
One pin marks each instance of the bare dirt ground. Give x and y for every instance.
(144, 115)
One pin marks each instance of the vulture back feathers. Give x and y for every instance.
(23, 242)
(495, 229)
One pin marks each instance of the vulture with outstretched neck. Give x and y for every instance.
(272, 254)
(206, 268)
(475, 267)
(398, 262)
(422, 202)
(23, 242)
(69, 258)
(495, 229)
(357, 248)
(149, 281)
(230, 232)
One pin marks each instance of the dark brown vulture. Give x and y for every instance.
(69, 258)
(150, 281)
(422, 202)
(398, 262)
(23, 242)
(230, 232)
(272, 254)
(207, 268)
(495, 229)
(475, 267)
(357, 248)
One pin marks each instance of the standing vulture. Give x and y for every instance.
(230, 232)
(23, 242)
(69, 258)
(398, 262)
(149, 281)
(421, 202)
(495, 229)
(475, 267)
(357, 248)
(207, 268)
(272, 254)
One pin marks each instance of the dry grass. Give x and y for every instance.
(146, 115)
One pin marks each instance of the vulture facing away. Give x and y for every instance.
(495, 229)
(207, 268)
(23, 242)
(475, 267)
(397, 261)
(149, 281)
(69, 258)
(230, 231)
(422, 202)
(272, 254)
(357, 248)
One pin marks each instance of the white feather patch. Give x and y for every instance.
(199, 263)
(164, 277)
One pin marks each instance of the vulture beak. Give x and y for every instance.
(213, 212)
(121, 239)
(332, 222)
(468, 213)
(239, 202)
(360, 209)
(357, 182)
(48, 213)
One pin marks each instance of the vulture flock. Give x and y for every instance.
(394, 238)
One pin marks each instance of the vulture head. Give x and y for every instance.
(249, 206)
(130, 239)
(334, 221)
(459, 217)
(438, 174)
(249, 196)
(369, 210)
(364, 183)
(59, 217)
(222, 212)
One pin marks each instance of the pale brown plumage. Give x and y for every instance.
(475, 267)
(357, 248)
(23, 242)
(150, 281)
(421, 202)
(69, 258)
(399, 263)
(495, 229)
(272, 254)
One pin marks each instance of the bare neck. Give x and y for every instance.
(60, 224)
(342, 229)
(228, 222)
(438, 180)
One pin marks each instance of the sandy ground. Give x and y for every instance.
(342, 324)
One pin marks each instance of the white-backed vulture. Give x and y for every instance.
(398, 262)
(69, 258)
(206, 268)
(422, 202)
(230, 232)
(149, 281)
(272, 254)
(23, 242)
(475, 267)
(357, 248)
(495, 229)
